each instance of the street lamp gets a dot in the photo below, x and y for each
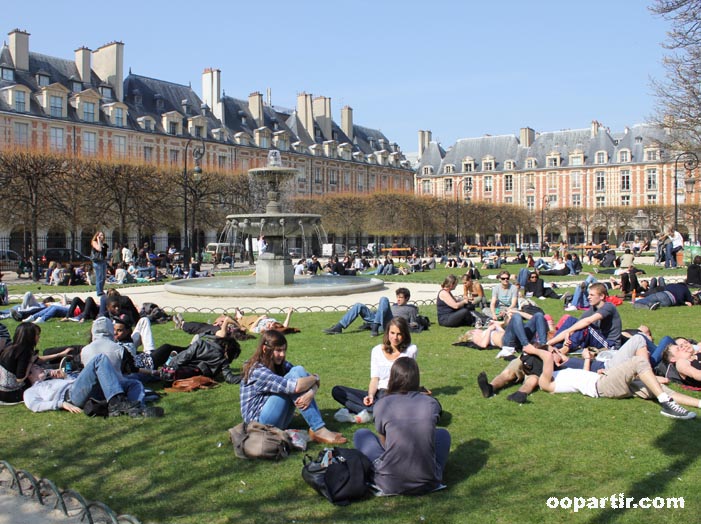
(691, 162)
(197, 154)
(546, 201)
(467, 188)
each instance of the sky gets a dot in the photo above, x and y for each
(462, 68)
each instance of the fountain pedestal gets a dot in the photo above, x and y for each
(274, 270)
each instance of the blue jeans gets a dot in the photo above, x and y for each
(278, 410)
(671, 255)
(146, 272)
(656, 351)
(382, 316)
(580, 296)
(518, 334)
(369, 444)
(98, 379)
(100, 270)
(570, 266)
(662, 297)
(50, 312)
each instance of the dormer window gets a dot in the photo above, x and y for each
(7, 74)
(118, 117)
(510, 165)
(652, 155)
(600, 157)
(624, 156)
(89, 111)
(20, 101)
(576, 159)
(427, 170)
(56, 106)
(160, 103)
(106, 92)
(488, 165)
(449, 168)
(553, 160)
(173, 128)
(531, 163)
(468, 165)
(43, 80)
(76, 87)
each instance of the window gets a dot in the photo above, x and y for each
(487, 184)
(106, 92)
(199, 129)
(173, 156)
(466, 187)
(173, 128)
(510, 165)
(7, 74)
(509, 200)
(601, 201)
(449, 168)
(600, 180)
(488, 165)
(89, 143)
(652, 200)
(530, 203)
(651, 155)
(576, 179)
(552, 200)
(56, 106)
(601, 157)
(530, 181)
(119, 145)
(119, 117)
(577, 200)
(43, 80)
(20, 101)
(576, 160)
(76, 87)
(317, 175)
(56, 139)
(333, 176)
(89, 111)
(552, 181)
(148, 153)
(625, 200)
(625, 180)
(553, 161)
(530, 163)
(426, 187)
(21, 133)
(508, 182)
(624, 156)
(468, 165)
(448, 185)
(427, 170)
(651, 179)
(221, 161)
(346, 178)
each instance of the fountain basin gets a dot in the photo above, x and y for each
(303, 286)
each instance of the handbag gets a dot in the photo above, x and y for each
(256, 440)
(340, 475)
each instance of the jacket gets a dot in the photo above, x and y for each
(207, 355)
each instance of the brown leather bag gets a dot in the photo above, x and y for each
(192, 383)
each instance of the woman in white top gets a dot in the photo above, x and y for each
(359, 403)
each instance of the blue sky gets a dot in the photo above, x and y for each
(459, 68)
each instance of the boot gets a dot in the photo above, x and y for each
(336, 329)
(121, 405)
(374, 329)
(366, 326)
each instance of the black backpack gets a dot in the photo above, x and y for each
(339, 474)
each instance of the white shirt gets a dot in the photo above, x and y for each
(576, 381)
(677, 240)
(126, 255)
(380, 365)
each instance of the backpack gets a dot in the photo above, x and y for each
(256, 440)
(340, 474)
(154, 313)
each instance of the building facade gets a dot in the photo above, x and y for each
(85, 106)
(582, 169)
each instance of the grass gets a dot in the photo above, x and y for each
(506, 459)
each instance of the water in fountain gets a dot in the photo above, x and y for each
(274, 271)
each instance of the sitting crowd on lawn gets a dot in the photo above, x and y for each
(591, 354)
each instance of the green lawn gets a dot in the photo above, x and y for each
(506, 459)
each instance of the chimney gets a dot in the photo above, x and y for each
(211, 92)
(82, 62)
(428, 136)
(421, 142)
(322, 115)
(304, 113)
(347, 122)
(185, 104)
(108, 64)
(527, 136)
(595, 128)
(19, 49)
(255, 107)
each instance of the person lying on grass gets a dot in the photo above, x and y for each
(686, 359)
(632, 378)
(272, 389)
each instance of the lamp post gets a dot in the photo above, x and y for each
(467, 188)
(542, 222)
(197, 154)
(691, 162)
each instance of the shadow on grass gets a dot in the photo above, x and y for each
(678, 443)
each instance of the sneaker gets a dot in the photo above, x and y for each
(484, 385)
(673, 410)
(39, 320)
(571, 307)
(519, 397)
(343, 415)
(506, 351)
(178, 320)
(336, 329)
(16, 315)
(363, 417)
(654, 306)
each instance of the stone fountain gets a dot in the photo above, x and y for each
(274, 272)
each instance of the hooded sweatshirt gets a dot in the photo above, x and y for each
(103, 343)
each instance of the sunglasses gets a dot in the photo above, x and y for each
(503, 278)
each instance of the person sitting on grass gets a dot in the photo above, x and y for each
(272, 388)
(536, 287)
(54, 390)
(451, 311)
(504, 297)
(375, 321)
(358, 404)
(409, 453)
(632, 378)
(600, 326)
